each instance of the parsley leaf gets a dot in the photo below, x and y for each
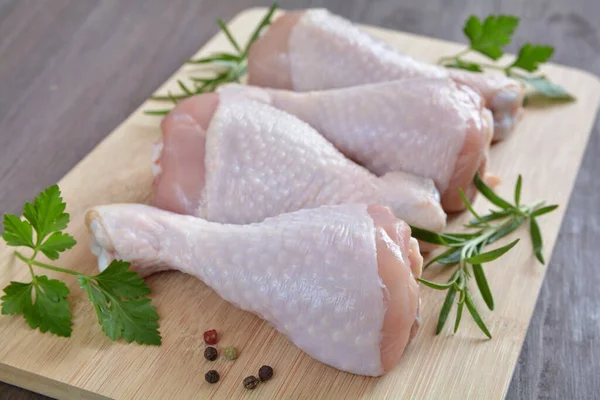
(546, 89)
(47, 213)
(531, 56)
(17, 232)
(122, 281)
(17, 297)
(49, 311)
(490, 37)
(57, 243)
(118, 295)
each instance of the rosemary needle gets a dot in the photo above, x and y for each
(465, 251)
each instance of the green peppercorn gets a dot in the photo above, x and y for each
(251, 382)
(230, 353)
(210, 353)
(212, 376)
(265, 373)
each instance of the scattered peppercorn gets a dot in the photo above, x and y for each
(251, 382)
(230, 353)
(210, 353)
(210, 337)
(212, 376)
(265, 373)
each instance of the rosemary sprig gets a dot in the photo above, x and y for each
(465, 251)
(228, 67)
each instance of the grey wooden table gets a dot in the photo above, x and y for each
(72, 70)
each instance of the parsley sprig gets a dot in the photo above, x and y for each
(465, 251)
(118, 294)
(229, 67)
(489, 37)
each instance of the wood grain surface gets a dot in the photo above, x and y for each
(70, 72)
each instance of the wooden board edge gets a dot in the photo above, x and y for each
(43, 385)
(595, 80)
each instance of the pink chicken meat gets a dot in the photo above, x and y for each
(230, 159)
(432, 128)
(316, 50)
(338, 281)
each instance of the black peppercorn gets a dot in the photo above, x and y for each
(210, 353)
(212, 376)
(251, 382)
(265, 373)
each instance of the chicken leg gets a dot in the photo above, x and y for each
(432, 128)
(315, 50)
(236, 160)
(338, 281)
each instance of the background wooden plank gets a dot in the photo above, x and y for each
(70, 71)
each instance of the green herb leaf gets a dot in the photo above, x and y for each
(122, 281)
(47, 213)
(547, 89)
(466, 65)
(185, 89)
(518, 190)
(544, 210)
(57, 243)
(117, 296)
(445, 311)
(156, 112)
(531, 56)
(427, 236)
(489, 194)
(170, 97)
(17, 232)
(434, 285)
(266, 21)
(467, 204)
(490, 37)
(50, 309)
(450, 256)
(505, 230)
(483, 285)
(476, 317)
(230, 37)
(175, 100)
(536, 240)
(459, 310)
(491, 255)
(492, 216)
(17, 297)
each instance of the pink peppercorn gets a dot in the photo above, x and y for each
(210, 337)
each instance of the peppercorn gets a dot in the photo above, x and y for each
(210, 337)
(265, 373)
(230, 353)
(251, 382)
(210, 353)
(212, 376)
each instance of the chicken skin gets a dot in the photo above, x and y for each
(338, 281)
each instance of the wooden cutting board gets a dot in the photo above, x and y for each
(546, 149)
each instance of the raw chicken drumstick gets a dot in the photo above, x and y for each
(234, 160)
(338, 281)
(432, 128)
(316, 50)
